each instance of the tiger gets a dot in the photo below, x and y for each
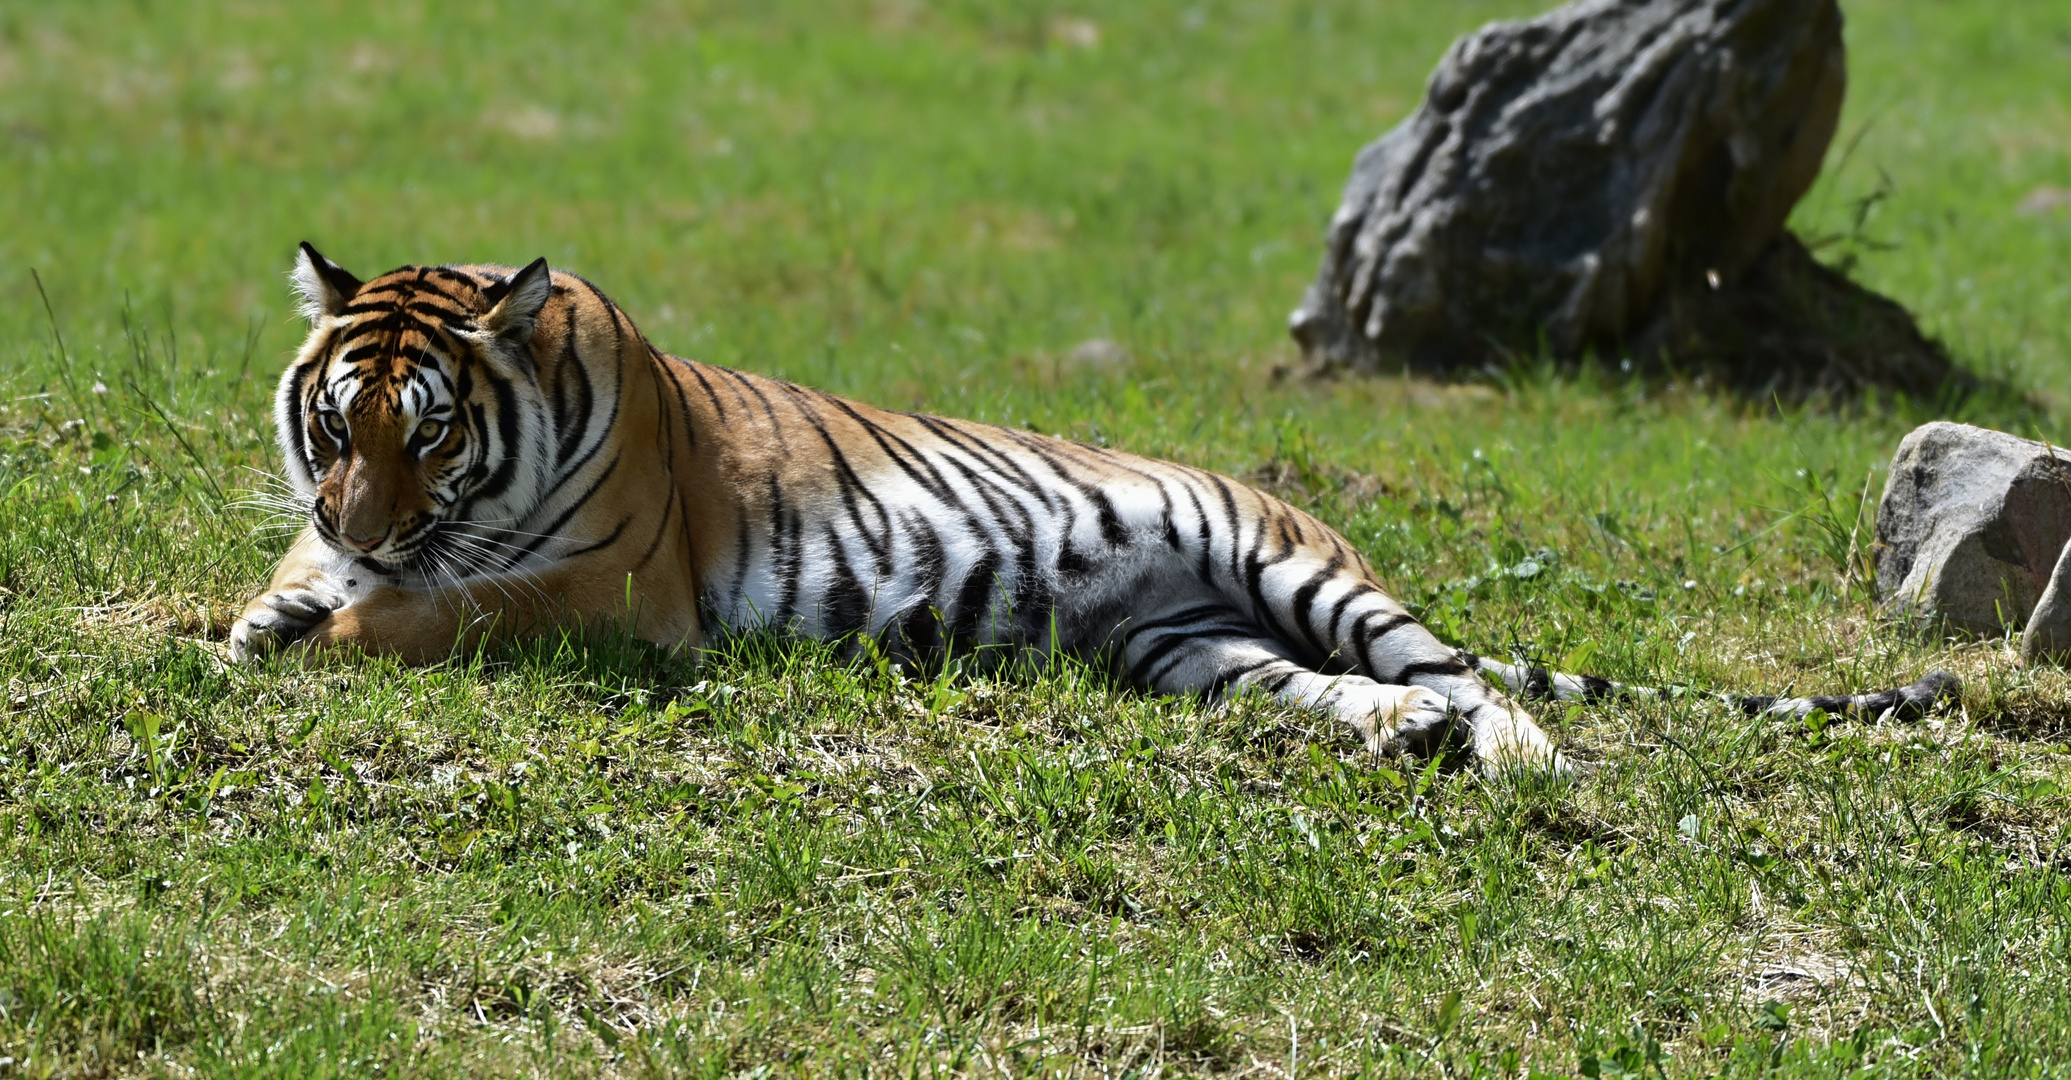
(485, 453)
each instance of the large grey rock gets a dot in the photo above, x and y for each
(1971, 527)
(1567, 177)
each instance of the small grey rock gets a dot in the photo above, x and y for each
(2044, 200)
(1098, 352)
(1971, 527)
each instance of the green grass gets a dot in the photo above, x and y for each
(576, 858)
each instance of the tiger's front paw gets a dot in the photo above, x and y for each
(277, 620)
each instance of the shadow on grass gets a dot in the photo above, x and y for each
(614, 669)
(1792, 333)
(1996, 400)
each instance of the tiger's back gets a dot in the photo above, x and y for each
(933, 532)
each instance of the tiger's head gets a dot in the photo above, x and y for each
(412, 409)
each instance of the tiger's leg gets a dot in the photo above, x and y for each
(1340, 612)
(311, 581)
(318, 599)
(316, 602)
(1211, 650)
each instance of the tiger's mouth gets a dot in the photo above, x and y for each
(396, 556)
(410, 552)
(436, 552)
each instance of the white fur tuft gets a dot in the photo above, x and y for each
(323, 286)
(513, 316)
(316, 297)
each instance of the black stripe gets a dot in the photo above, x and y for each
(1045, 451)
(787, 537)
(929, 558)
(999, 500)
(854, 492)
(1231, 522)
(933, 482)
(973, 598)
(1204, 558)
(1111, 529)
(661, 366)
(1140, 668)
(507, 422)
(1221, 683)
(1364, 638)
(776, 427)
(743, 544)
(552, 531)
(919, 630)
(1448, 666)
(570, 375)
(303, 385)
(1011, 522)
(717, 405)
(661, 530)
(566, 471)
(739, 380)
(1538, 683)
(845, 607)
(1254, 582)
(600, 545)
(1182, 618)
(1305, 597)
(1203, 637)
(983, 452)
(1337, 610)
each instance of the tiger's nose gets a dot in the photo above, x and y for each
(363, 545)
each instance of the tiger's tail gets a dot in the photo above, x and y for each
(1910, 702)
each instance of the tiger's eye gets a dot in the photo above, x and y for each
(430, 430)
(333, 423)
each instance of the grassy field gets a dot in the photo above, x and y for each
(575, 858)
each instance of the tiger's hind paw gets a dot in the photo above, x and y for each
(277, 620)
(1393, 718)
(1519, 746)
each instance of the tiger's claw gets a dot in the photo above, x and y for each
(276, 620)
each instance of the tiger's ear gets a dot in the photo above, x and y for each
(518, 299)
(324, 286)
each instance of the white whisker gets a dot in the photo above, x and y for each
(464, 551)
(516, 575)
(491, 523)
